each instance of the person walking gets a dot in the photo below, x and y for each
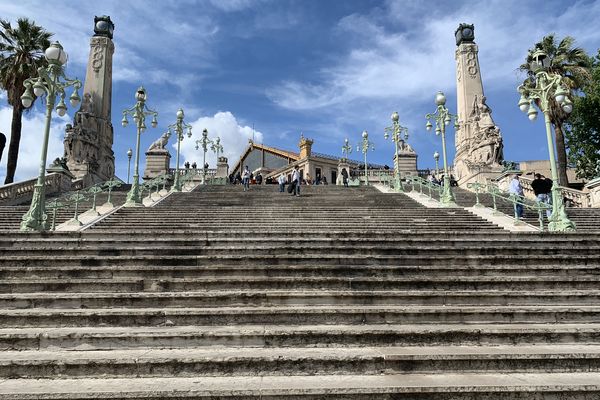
(516, 190)
(246, 178)
(281, 181)
(345, 177)
(541, 189)
(296, 181)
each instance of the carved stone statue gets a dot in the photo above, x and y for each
(161, 142)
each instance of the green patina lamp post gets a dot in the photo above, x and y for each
(364, 147)
(442, 118)
(436, 157)
(541, 91)
(397, 131)
(47, 84)
(217, 147)
(346, 149)
(178, 128)
(139, 112)
(204, 142)
(129, 154)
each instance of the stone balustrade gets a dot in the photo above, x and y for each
(21, 192)
(576, 198)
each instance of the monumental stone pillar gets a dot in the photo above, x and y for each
(478, 140)
(222, 168)
(88, 142)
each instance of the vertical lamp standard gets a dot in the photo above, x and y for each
(541, 90)
(129, 154)
(178, 127)
(436, 157)
(217, 147)
(47, 84)
(442, 118)
(346, 149)
(204, 142)
(139, 112)
(365, 148)
(397, 131)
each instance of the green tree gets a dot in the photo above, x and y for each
(21, 54)
(573, 64)
(583, 128)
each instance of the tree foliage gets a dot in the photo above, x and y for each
(21, 54)
(573, 64)
(583, 129)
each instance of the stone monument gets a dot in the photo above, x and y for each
(478, 139)
(222, 168)
(158, 157)
(88, 141)
(407, 159)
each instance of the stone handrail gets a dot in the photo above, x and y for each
(210, 172)
(18, 192)
(577, 198)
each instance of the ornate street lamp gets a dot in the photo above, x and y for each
(204, 142)
(217, 147)
(397, 131)
(436, 157)
(442, 118)
(366, 144)
(139, 112)
(541, 90)
(178, 128)
(346, 149)
(47, 84)
(129, 154)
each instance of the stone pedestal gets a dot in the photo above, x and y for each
(157, 163)
(407, 161)
(222, 168)
(594, 188)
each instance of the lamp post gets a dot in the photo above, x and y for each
(545, 87)
(129, 154)
(443, 117)
(139, 112)
(48, 83)
(204, 142)
(346, 149)
(365, 148)
(436, 157)
(397, 131)
(217, 147)
(178, 128)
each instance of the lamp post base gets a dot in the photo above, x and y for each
(558, 220)
(34, 220)
(447, 198)
(133, 197)
(176, 183)
(398, 185)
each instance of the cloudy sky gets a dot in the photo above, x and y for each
(329, 69)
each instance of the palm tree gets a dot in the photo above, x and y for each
(573, 64)
(21, 54)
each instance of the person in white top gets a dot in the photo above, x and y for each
(296, 181)
(246, 178)
(281, 181)
(516, 189)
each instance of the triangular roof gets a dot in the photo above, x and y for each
(273, 150)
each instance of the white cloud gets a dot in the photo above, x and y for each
(234, 138)
(30, 148)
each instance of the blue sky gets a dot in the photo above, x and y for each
(327, 68)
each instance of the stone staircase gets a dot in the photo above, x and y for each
(337, 294)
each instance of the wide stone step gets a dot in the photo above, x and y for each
(454, 386)
(455, 282)
(262, 298)
(249, 361)
(288, 248)
(152, 272)
(268, 335)
(299, 259)
(294, 315)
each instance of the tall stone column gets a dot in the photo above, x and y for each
(478, 140)
(88, 142)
